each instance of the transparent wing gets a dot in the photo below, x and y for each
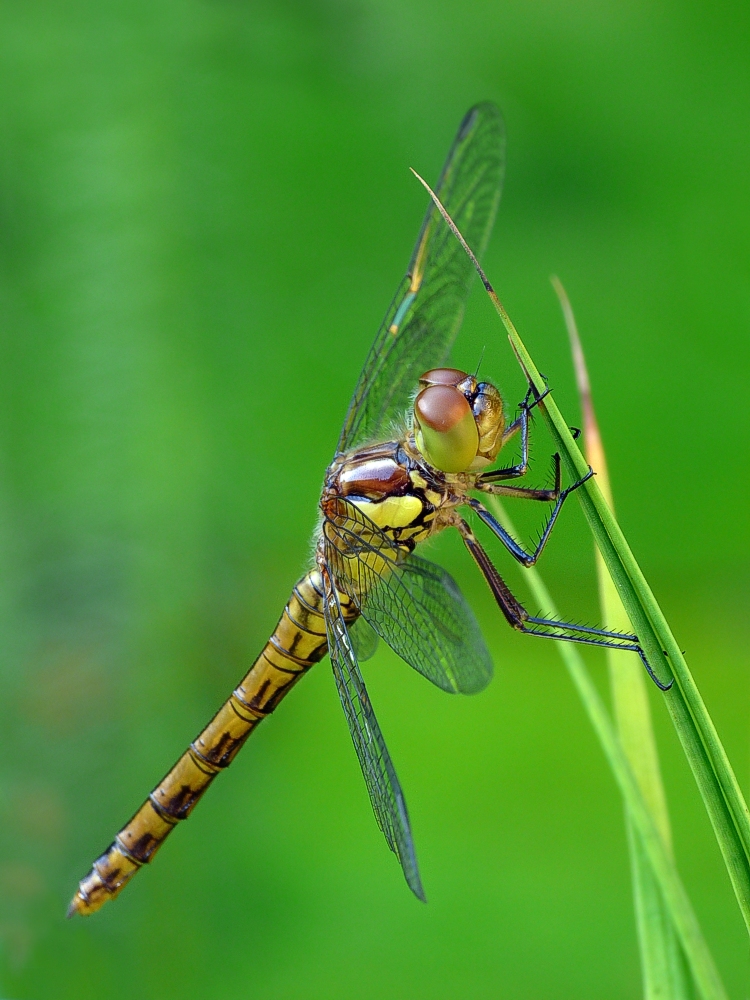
(364, 639)
(412, 604)
(425, 315)
(382, 783)
(423, 616)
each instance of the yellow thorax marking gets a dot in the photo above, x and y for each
(393, 512)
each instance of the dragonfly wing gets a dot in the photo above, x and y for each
(364, 639)
(382, 783)
(425, 315)
(412, 604)
(423, 616)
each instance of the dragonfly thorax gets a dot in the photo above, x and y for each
(458, 422)
(389, 483)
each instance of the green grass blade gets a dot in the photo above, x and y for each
(663, 971)
(713, 774)
(698, 958)
(700, 742)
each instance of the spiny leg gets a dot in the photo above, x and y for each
(559, 496)
(525, 492)
(521, 423)
(546, 628)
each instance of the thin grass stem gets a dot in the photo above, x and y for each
(661, 963)
(698, 957)
(705, 753)
(706, 756)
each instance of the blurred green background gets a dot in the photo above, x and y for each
(205, 210)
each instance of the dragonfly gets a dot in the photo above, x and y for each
(418, 448)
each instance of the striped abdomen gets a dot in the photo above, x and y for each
(298, 641)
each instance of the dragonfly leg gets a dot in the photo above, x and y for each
(521, 423)
(527, 493)
(547, 628)
(559, 496)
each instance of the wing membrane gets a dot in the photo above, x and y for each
(422, 615)
(412, 604)
(380, 777)
(364, 639)
(425, 315)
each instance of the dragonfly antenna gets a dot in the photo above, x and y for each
(481, 359)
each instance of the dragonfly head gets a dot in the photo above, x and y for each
(458, 422)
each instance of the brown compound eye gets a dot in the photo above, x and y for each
(442, 376)
(446, 433)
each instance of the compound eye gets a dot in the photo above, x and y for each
(446, 433)
(442, 376)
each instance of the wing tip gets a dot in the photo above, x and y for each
(414, 881)
(480, 682)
